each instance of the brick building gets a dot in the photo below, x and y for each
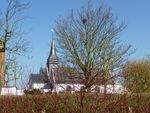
(2, 63)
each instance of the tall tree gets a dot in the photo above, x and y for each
(89, 40)
(137, 76)
(11, 34)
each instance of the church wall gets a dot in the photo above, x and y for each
(38, 85)
(62, 87)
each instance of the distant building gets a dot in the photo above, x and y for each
(60, 79)
(43, 80)
(12, 91)
(54, 77)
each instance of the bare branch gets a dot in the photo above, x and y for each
(89, 40)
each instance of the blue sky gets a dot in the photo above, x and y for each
(42, 14)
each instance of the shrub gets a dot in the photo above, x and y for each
(70, 103)
(32, 92)
(137, 75)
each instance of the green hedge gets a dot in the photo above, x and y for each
(71, 103)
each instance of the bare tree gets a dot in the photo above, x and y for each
(22, 76)
(11, 34)
(89, 40)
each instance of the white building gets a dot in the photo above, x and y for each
(12, 91)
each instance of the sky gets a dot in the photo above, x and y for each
(41, 16)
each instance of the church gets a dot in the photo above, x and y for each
(55, 78)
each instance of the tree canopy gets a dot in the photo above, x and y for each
(88, 39)
(137, 76)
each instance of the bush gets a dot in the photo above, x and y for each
(137, 75)
(32, 92)
(70, 103)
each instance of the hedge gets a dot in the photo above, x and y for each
(71, 103)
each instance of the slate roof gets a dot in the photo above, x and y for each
(75, 76)
(63, 75)
(52, 59)
(67, 76)
(38, 78)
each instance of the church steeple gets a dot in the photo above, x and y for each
(52, 61)
(53, 50)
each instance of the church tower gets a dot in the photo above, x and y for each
(52, 61)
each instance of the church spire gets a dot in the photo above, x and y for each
(52, 61)
(53, 49)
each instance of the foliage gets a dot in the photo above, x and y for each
(89, 41)
(32, 92)
(137, 75)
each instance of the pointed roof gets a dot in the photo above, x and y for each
(52, 59)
